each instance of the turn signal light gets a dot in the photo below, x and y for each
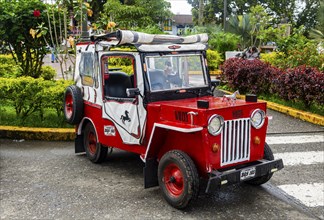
(256, 140)
(215, 148)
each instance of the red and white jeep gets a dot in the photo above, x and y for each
(156, 99)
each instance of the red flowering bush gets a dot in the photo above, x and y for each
(301, 83)
(304, 84)
(249, 76)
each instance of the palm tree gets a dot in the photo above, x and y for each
(316, 34)
(241, 25)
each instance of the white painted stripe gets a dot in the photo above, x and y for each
(311, 195)
(301, 158)
(295, 139)
(185, 130)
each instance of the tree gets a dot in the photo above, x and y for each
(211, 11)
(320, 17)
(23, 26)
(307, 17)
(281, 10)
(260, 21)
(97, 7)
(137, 13)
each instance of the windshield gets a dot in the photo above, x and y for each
(171, 72)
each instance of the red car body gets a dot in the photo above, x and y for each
(173, 122)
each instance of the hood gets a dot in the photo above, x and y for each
(181, 110)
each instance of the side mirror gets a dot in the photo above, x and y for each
(214, 84)
(132, 92)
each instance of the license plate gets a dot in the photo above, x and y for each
(247, 173)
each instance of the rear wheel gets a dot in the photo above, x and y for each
(178, 179)
(94, 150)
(268, 155)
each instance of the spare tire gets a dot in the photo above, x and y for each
(73, 105)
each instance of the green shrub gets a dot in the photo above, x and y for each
(296, 41)
(150, 29)
(6, 58)
(48, 72)
(276, 59)
(53, 94)
(223, 41)
(8, 67)
(214, 59)
(296, 50)
(29, 95)
(24, 92)
(307, 55)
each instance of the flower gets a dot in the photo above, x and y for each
(36, 13)
(35, 33)
(89, 12)
(111, 24)
(32, 32)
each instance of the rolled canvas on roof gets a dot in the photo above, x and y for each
(132, 37)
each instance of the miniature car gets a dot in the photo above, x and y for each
(152, 95)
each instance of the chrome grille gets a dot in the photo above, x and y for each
(235, 141)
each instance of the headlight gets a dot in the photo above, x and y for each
(257, 118)
(215, 124)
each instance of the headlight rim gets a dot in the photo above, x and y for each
(263, 118)
(221, 119)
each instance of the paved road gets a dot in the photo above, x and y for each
(301, 146)
(45, 180)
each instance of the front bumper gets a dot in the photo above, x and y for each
(263, 167)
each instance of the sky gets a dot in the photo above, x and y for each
(180, 7)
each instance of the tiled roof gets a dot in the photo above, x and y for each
(182, 19)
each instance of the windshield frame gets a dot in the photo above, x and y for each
(175, 70)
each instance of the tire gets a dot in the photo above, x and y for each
(73, 105)
(268, 155)
(178, 179)
(95, 152)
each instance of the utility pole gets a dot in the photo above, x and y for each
(201, 12)
(225, 14)
(84, 26)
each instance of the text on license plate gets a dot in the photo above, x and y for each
(247, 173)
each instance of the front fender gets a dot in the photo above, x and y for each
(159, 132)
(158, 139)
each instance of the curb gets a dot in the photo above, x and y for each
(305, 116)
(68, 134)
(46, 134)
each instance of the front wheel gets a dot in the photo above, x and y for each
(268, 155)
(178, 179)
(94, 150)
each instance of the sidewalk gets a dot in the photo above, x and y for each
(57, 67)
